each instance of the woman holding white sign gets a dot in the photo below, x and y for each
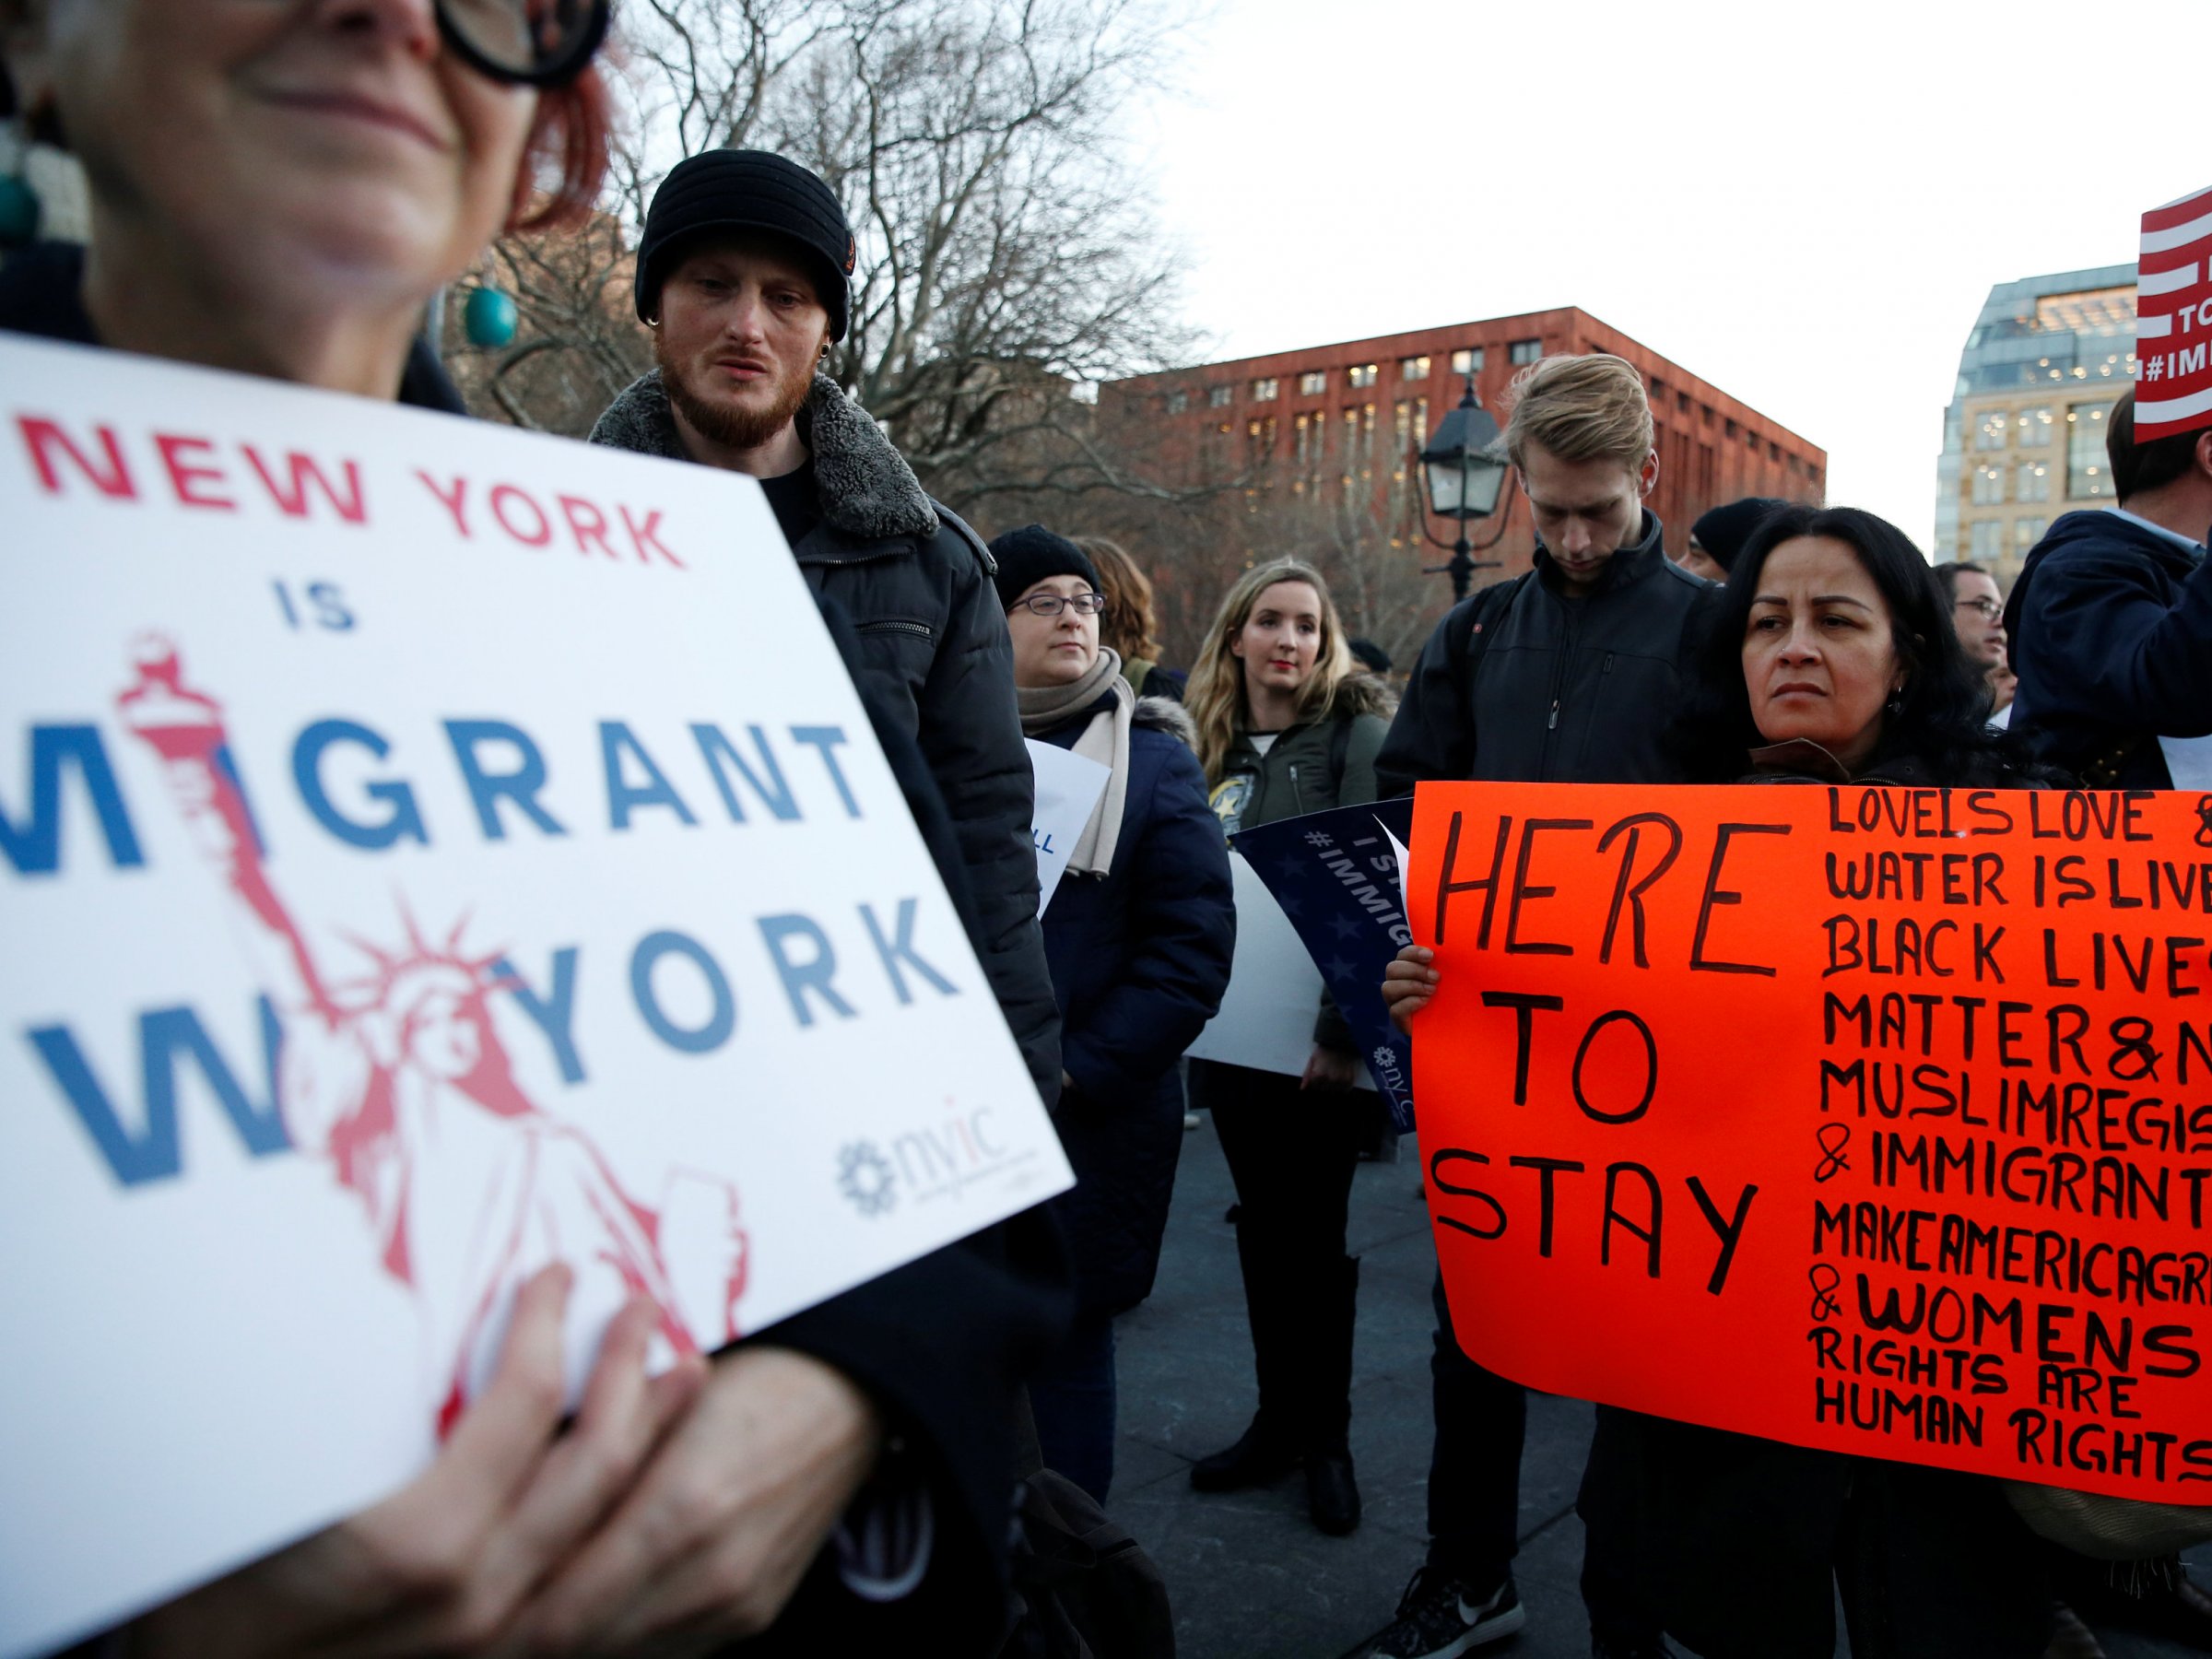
(1138, 934)
(280, 188)
(1288, 724)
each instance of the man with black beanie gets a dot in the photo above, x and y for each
(1720, 534)
(742, 276)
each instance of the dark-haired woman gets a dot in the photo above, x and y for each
(1831, 659)
(279, 187)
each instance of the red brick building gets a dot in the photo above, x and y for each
(1333, 422)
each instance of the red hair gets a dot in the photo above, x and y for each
(567, 150)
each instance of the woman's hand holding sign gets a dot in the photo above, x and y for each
(1407, 984)
(443, 1565)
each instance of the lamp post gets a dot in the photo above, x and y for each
(1466, 477)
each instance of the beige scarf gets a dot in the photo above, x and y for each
(1105, 740)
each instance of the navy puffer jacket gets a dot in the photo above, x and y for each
(1139, 959)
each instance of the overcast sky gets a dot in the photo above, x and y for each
(1804, 206)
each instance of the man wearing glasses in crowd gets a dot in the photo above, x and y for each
(1978, 615)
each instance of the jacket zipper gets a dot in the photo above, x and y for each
(1297, 793)
(895, 625)
(1559, 687)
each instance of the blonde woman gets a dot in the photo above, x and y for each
(1288, 724)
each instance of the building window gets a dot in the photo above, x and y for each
(2035, 426)
(2027, 532)
(1178, 401)
(1987, 536)
(1467, 359)
(1990, 435)
(1351, 441)
(1413, 368)
(1313, 380)
(2087, 474)
(2031, 482)
(1263, 391)
(1360, 376)
(1524, 351)
(1681, 403)
(1218, 396)
(1732, 429)
(1367, 440)
(1402, 436)
(1308, 434)
(1989, 486)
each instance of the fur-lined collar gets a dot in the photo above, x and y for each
(867, 490)
(1363, 694)
(1165, 714)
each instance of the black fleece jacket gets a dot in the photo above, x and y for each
(1522, 683)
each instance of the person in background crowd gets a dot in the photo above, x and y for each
(1139, 934)
(1287, 724)
(2004, 684)
(1831, 659)
(1129, 628)
(1978, 615)
(1720, 534)
(1566, 674)
(741, 275)
(1371, 656)
(2111, 622)
(279, 189)
(2111, 628)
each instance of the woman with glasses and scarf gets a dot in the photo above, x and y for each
(279, 188)
(1139, 934)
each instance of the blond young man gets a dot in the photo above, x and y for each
(1566, 674)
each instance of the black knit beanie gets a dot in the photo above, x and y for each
(747, 189)
(1723, 531)
(1027, 555)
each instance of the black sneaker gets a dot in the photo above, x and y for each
(1441, 1616)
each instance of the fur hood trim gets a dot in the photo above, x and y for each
(1165, 714)
(1364, 694)
(867, 490)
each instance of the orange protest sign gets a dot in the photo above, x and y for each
(1876, 1120)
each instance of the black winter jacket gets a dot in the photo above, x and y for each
(916, 583)
(942, 1344)
(2111, 627)
(1521, 684)
(1140, 959)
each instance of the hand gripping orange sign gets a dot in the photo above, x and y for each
(1874, 1120)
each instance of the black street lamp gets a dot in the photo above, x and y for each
(1466, 477)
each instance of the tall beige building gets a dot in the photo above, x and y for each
(2023, 439)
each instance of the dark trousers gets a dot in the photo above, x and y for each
(1292, 1152)
(1072, 1396)
(1474, 1469)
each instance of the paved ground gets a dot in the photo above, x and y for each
(1250, 1577)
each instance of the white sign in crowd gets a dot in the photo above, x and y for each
(427, 851)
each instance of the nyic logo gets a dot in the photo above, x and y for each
(1386, 1064)
(864, 1176)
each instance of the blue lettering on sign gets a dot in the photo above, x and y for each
(402, 821)
(812, 974)
(164, 1034)
(486, 789)
(623, 798)
(554, 1014)
(35, 848)
(901, 945)
(699, 1039)
(826, 739)
(775, 795)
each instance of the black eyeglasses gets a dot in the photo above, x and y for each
(1990, 609)
(525, 43)
(1052, 604)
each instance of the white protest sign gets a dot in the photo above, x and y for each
(2188, 761)
(1068, 787)
(1266, 1016)
(427, 851)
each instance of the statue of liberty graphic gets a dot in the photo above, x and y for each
(399, 1079)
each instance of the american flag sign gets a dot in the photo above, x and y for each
(2173, 319)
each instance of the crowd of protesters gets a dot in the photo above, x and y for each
(281, 189)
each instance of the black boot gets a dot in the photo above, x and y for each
(1262, 1454)
(1331, 1495)
(1273, 1445)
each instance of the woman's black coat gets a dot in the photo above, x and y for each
(1139, 959)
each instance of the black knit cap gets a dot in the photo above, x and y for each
(1723, 531)
(1027, 555)
(747, 189)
